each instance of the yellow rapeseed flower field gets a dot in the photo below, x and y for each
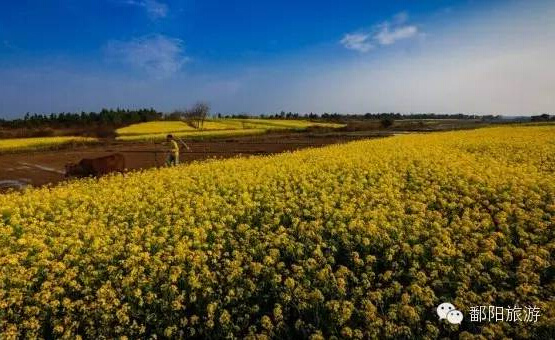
(194, 134)
(214, 128)
(361, 240)
(154, 127)
(284, 123)
(17, 144)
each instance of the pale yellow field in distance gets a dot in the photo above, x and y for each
(214, 127)
(159, 129)
(285, 123)
(154, 127)
(17, 144)
(195, 133)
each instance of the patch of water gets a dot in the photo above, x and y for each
(13, 183)
(42, 167)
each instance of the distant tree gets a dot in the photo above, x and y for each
(541, 118)
(198, 114)
(176, 115)
(387, 122)
(194, 116)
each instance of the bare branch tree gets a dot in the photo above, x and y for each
(198, 114)
(203, 110)
(194, 116)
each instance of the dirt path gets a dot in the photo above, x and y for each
(47, 167)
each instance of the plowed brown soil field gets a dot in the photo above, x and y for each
(18, 170)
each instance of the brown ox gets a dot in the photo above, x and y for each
(96, 166)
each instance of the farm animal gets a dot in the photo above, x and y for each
(96, 166)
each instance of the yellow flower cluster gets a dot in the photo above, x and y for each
(17, 144)
(361, 240)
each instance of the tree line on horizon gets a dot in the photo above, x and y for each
(357, 116)
(108, 117)
(120, 117)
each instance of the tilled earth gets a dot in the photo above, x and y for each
(18, 170)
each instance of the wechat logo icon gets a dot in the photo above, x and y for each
(448, 311)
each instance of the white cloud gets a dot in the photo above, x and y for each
(386, 33)
(154, 9)
(157, 55)
(357, 41)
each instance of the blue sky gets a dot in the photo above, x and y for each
(267, 56)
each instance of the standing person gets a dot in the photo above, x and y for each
(173, 154)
